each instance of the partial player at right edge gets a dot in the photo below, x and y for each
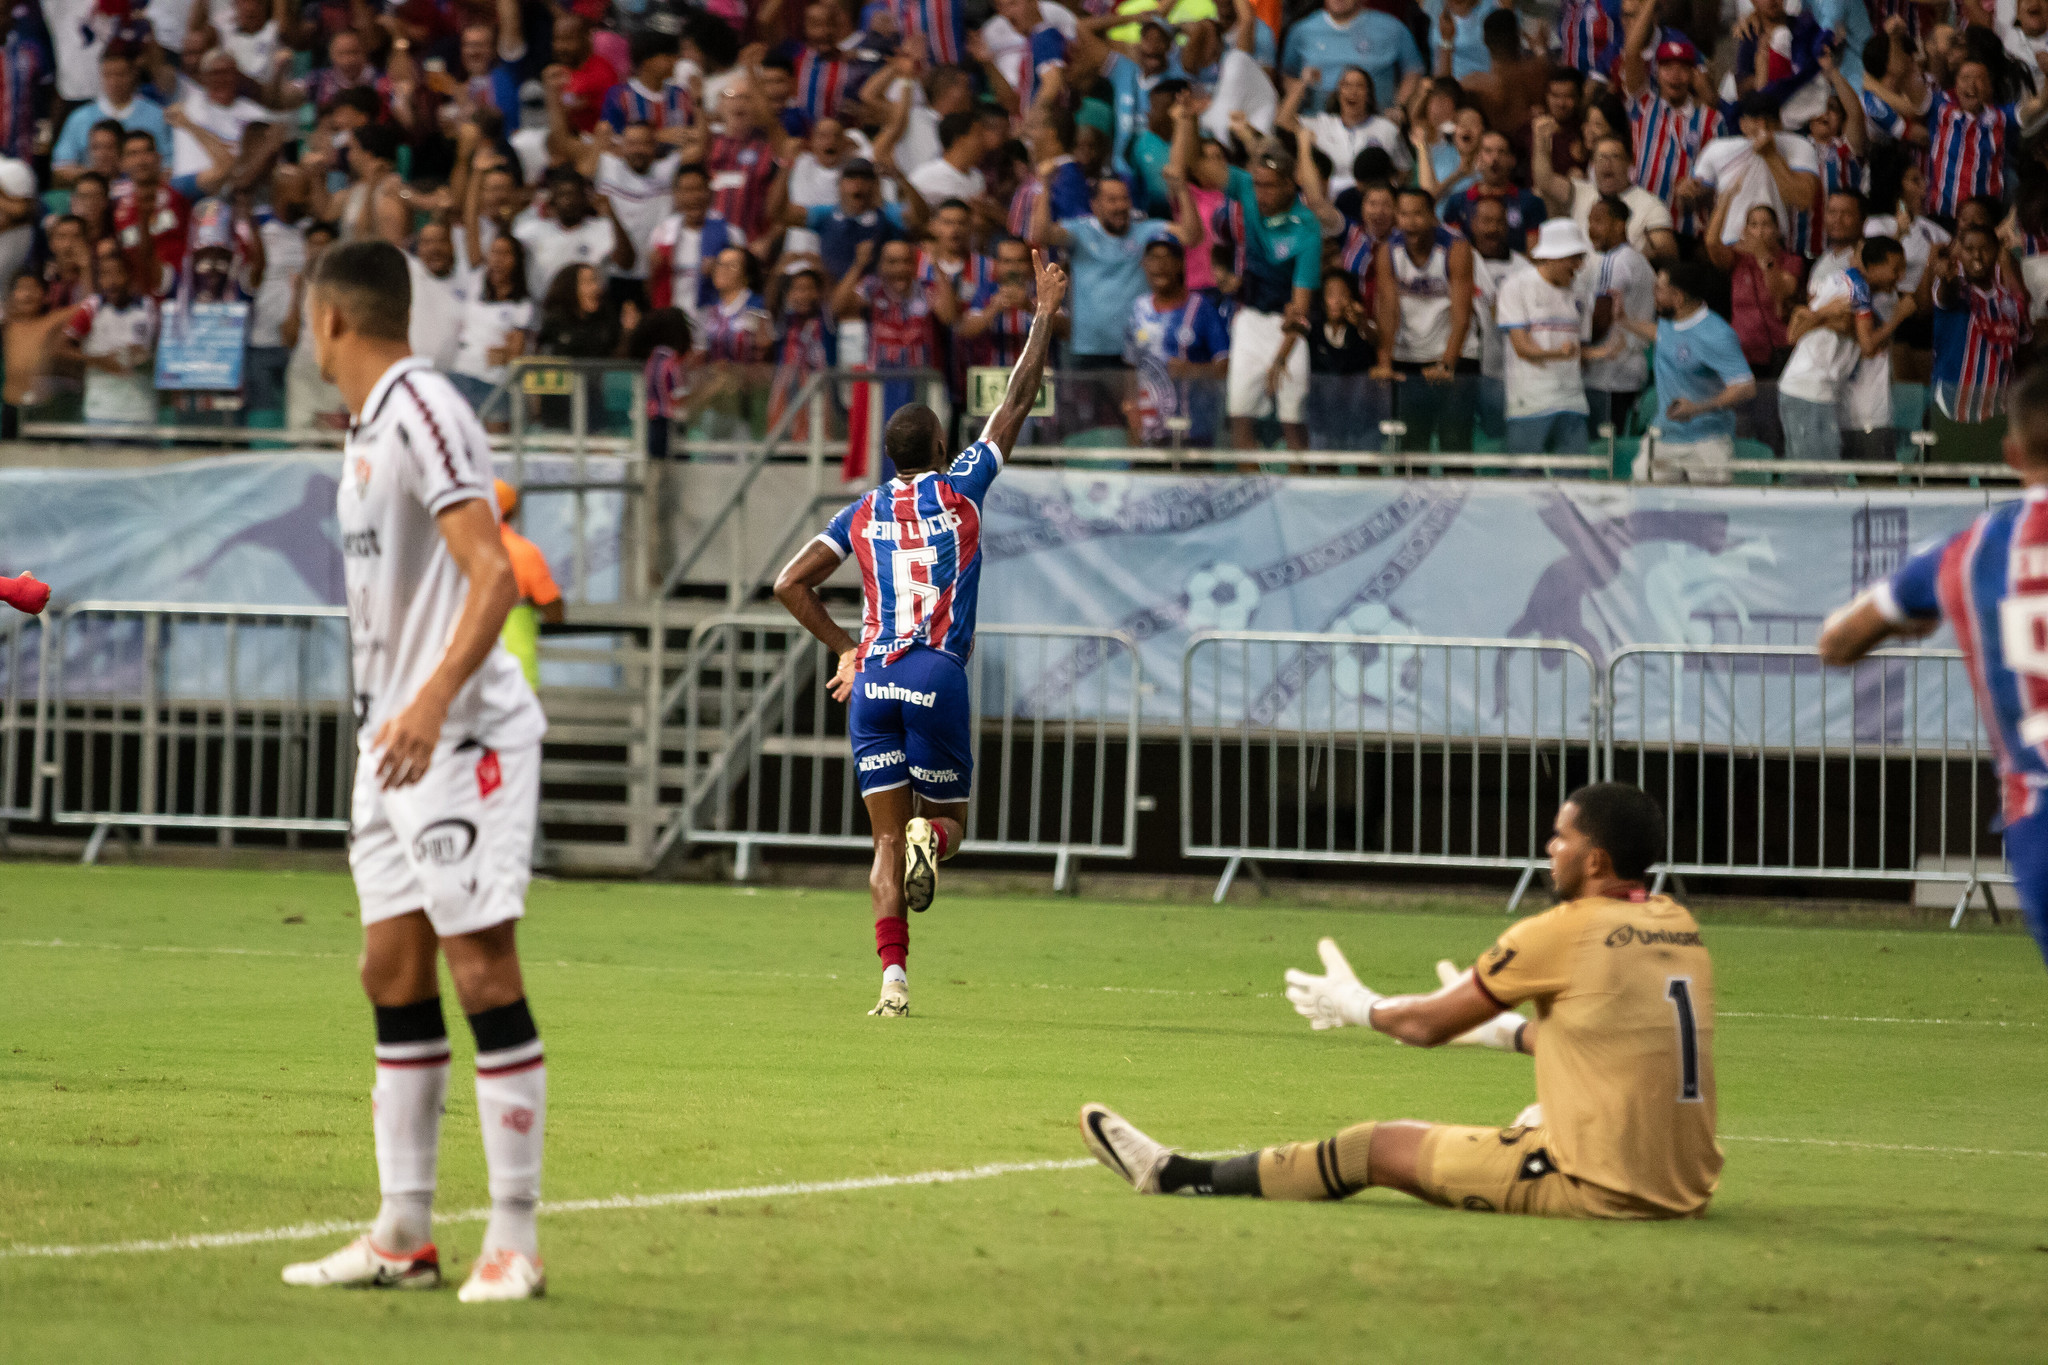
(917, 539)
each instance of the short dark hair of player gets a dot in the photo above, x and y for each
(955, 126)
(108, 125)
(564, 175)
(858, 169)
(368, 281)
(914, 440)
(696, 168)
(1417, 192)
(1616, 206)
(133, 134)
(2028, 406)
(1624, 823)
(1847, 193)
(1694, 279)
(1878, 250)
(1567, 75)
(944, 204)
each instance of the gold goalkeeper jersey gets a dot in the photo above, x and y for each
(1624, 991)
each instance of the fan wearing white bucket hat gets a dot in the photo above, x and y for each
(1545, 318)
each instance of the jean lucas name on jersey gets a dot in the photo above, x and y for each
(891, 692)
(923, 529)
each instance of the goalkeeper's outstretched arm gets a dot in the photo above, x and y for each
(1458, 1013)
(1008, 419)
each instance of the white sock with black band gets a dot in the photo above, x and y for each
(407, 1100)
(511, 1105)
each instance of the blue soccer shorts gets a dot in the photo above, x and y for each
(910, 724)
(2026, 850)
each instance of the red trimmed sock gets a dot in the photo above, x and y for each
(892, 940)
(939, 837)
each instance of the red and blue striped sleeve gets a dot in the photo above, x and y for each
(1912, 592)
(974, 470)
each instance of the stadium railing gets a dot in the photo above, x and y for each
(1770, 765)
(1380, 749)
(24, 663)
(749, 753)
(198, 716)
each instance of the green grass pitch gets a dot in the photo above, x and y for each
(195, 1059)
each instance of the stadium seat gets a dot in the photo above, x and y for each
(1748, 449)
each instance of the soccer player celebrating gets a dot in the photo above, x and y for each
(1623, 1040)
(447, 782)
(917, 540)
(1990, 583)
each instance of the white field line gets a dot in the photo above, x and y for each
(208, 1241)
(999, 985)
(1882, 1146)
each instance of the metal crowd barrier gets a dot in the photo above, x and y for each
(1380, 749)
(165, 715)
(752, 753)
(24, 663)
(1769, 764)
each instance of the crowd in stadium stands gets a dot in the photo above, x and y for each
(1809, 229)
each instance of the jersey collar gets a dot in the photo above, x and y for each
(381, 390)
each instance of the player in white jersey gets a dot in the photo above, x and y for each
(447, 783)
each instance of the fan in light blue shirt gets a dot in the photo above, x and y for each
(1468, 53)
(1699, 358)
(1379, 45)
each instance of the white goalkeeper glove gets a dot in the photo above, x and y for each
(1499, 1032)
(1333, 1000)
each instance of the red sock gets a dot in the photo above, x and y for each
(892, 940)
(939, 836)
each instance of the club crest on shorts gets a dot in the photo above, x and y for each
(488, 776)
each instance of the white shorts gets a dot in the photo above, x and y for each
(1707, 461)
(1255, 340)
(457, 844)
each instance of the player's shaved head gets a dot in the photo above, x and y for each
(2026, 440)
(369, 285)
(914, 439)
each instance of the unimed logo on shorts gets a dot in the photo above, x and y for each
(444, 842)
(875, 761)
(891, 692)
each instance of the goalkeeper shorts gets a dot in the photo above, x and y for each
(1509, 1170)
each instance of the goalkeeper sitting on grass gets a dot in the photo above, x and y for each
(1623, 1036)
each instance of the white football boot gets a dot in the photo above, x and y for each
(501, 1276)
(360, 1265)
(920, 864)
(1122, 1148)
(895, 1001)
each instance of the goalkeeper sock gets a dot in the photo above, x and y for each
(1238, 1175)
(1335, 1168)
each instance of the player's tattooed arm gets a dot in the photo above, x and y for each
(407, 740)
(796, 587)
(1008, 419)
